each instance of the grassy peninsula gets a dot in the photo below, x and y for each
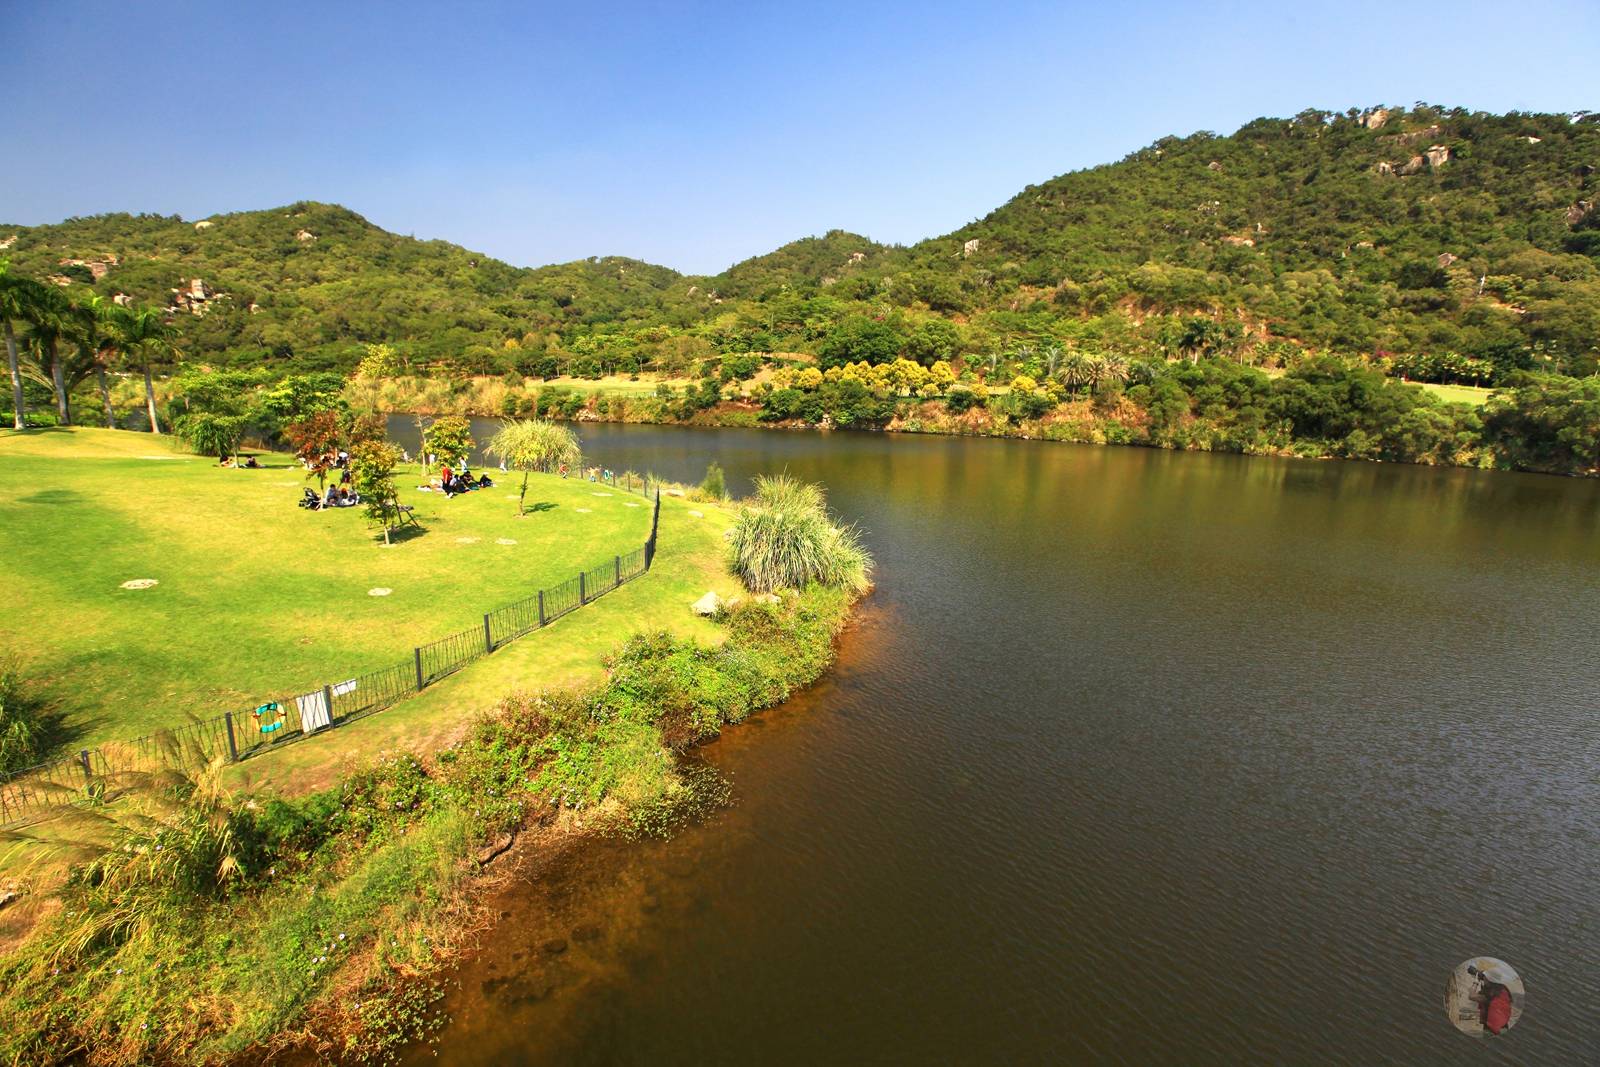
(203, 913)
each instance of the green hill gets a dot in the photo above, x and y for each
(1454, 245)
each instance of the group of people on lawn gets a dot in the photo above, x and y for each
(342, 494)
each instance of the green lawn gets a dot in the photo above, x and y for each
(1459, 394)
(257, 598)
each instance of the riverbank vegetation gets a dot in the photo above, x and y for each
(1428, 244)
(198, 924)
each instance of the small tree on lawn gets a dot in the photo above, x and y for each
(211, 431)
(372, 467)
(532, 445)
(316, 441)
(449, 438)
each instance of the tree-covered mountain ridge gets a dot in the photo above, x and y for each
(1441, 242)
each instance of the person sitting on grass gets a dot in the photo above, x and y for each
(332, 497)
(250, 464)
(484, 482)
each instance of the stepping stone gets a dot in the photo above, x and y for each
(380, 591)
(504, 541)
(140, 583)
(582, 511)
(466, 540)
(602, 494)
(631, 504)
(698, 514)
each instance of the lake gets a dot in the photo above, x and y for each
(1132, 757)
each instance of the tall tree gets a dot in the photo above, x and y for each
(56, 322)
(104, 337)
(18, 296)
(151, 338)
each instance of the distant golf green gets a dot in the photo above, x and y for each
(254, 597)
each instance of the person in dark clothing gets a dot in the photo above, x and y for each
(484, 482)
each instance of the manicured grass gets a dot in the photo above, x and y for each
(611, 384)
(1459, 394)
(257, 598)
(690, 559)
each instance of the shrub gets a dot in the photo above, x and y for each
(786, 539)
(715, 486)
(28, 722)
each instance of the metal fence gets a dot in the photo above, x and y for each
(234, 736)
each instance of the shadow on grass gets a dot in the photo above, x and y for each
(543, 505)
(405, 533)
(51, 496)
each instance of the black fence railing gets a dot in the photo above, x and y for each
(29, 793)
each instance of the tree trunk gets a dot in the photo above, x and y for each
(105, 395)
(58, 379)
(150, 400)
(16, 376)
(523, 496)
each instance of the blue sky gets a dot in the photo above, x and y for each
(695, 135)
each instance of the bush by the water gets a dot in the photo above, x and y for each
(785, 539)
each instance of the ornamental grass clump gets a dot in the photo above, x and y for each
(785, 539)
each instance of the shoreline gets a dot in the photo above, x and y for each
(478, 816)
(1072, 423)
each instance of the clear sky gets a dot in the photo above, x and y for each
(695, 135)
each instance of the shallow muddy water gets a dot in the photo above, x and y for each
(1132, 757)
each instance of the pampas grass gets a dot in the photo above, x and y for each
(785, 539)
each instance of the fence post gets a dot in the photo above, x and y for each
(618, 561)
(488, 642)
(419, 669)
(541, 609)
(327, 704)
(582, 594)
(233, 746)
(83, 760)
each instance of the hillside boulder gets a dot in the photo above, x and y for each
(966, 249)
(1438, 155)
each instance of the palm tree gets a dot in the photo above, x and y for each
(530, 445)
(1114, 369)
(1075, 371)
(17, 298)
(1051, 355)
(53, 319)
(146, 333)
(106, 342)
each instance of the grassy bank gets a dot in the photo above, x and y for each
(344, 899)
(208, 913)
(255, 598)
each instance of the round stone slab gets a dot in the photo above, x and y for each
(139, 583)
(379, 591)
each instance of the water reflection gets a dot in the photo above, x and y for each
(1135, 757)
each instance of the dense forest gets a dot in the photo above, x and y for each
(1425, 244)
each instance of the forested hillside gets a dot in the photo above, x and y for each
(1447, 245)
(1272, 291)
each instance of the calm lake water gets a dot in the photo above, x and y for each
(1133, 757)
